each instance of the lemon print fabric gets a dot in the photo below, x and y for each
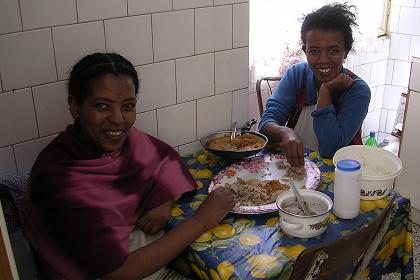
(250, 247)
(249, 239)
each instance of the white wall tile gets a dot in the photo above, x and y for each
(394, 18)
(355, 59)
(131, 37)
(100, 9)
(10, 16)
(51, 119)
(136, 7)
(147, 122)
(392, 95)
(378, 73)
(213, 29)
(187, 4)
(254, 113)
(73, 42)
(27, 152)
(382, 123)
(379, 97)
(401, 73)
(417, 4)
(363, 71)
(409, 19)
(223, 2)
(17, 117)
(7, 162)
(372, 99)
(240, 107)
(380, 52)
(400, 46)
(46, 13)
(177, 124)
(190, 148)
(195, 77)
(173, 34)
(157, 86)
(371, 122)
(389, 71)
(26, 59)
(409, 3)
(241, 25)
(214, 114)
(232, 70)
(414, 47)
(390, 120)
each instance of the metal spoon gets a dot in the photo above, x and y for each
(299, 199)
(233, 134)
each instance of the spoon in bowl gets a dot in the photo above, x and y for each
(299, 199)
(233, 133)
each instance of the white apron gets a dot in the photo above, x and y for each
(305, 130)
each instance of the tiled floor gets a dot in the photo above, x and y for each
(416, 255)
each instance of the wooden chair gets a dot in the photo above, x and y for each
(327, 260)
(258, 89)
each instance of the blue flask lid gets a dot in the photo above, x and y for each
(348, 165)
(372, 134)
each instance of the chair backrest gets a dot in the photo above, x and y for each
(259, 93)
(327, 260)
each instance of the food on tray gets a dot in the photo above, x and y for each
(240, 143)
(294, 173)
(255, 192)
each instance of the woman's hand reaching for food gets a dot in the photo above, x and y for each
(216, 206)
(292, 147)
(288, 140)
(155, 219)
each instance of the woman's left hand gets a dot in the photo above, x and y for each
(155, 219)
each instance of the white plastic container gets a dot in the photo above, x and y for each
(347, 184)
(379, 169)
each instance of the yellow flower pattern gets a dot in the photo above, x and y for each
(254, 247)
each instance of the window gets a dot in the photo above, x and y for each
(275, 31)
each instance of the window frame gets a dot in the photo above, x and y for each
(384, 26)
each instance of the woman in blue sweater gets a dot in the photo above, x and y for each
(319, 104)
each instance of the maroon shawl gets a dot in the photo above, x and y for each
(83, 204)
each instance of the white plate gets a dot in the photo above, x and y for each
(263, 168)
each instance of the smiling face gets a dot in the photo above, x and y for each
(108, 112)
(325, 53)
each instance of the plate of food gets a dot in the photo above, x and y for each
(258, 181)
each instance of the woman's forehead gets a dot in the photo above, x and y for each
(324, 37)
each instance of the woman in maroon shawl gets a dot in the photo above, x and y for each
(100, 185)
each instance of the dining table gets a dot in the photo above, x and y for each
(253, 246)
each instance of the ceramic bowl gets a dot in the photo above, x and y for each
(301, 226)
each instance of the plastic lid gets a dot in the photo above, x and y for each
(386, 140)
(372, 134)
(348, 165)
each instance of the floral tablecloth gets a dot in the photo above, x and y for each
(254, 247)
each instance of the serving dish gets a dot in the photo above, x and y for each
(304, 226)
(235, 154)
(379, 169)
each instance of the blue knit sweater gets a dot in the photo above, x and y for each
(336, 125)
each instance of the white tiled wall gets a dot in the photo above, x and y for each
(191, 56)
(390, 66)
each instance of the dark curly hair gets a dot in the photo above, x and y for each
(336, 17)
(95, 66)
